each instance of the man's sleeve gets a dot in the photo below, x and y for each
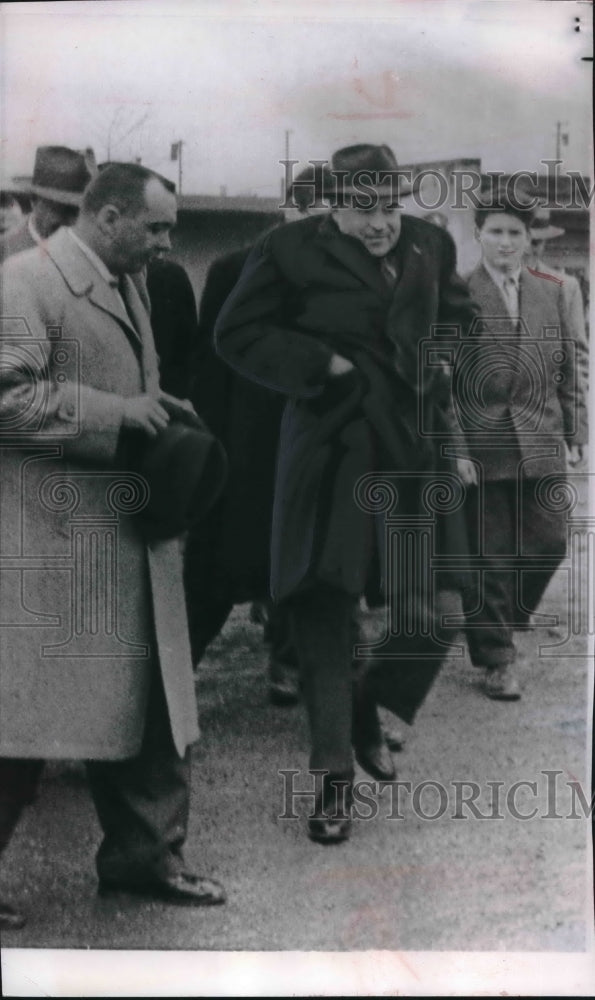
(456, 305)
(572, 389)
(456, 308)
(38, 401)
(573, 315)
(256, 332)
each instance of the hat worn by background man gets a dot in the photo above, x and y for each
(541, 228)
(61, 174)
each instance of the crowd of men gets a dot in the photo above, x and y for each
(159, 465)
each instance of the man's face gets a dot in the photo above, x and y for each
(504, 240)
(11, 216)
(48, 216)
(138, 238)
(378, 227)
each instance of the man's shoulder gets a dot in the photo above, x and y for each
(541, 284)
(16, 241)
(23, 261)
(547, 274)
(477, 273)
(298, 232)
(228, 263)
(167, 274)
(426, 232)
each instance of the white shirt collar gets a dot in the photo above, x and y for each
(33, 232)
(499, 277)
(95, 260)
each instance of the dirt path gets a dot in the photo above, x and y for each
(410, 882)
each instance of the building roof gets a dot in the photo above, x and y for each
(227, 203)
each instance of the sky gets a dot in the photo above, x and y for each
(433, 79)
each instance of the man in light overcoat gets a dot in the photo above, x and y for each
(94, 650)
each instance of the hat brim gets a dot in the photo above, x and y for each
(55, 194)
(546, 233)
(401, 188)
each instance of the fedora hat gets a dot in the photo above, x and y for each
(61, 174)
(541, 228)
(356, 168)
(311, 187)
(185, 468)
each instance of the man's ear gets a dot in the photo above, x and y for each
(107, 218)
(476, 233)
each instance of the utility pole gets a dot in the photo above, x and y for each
(176, 154)
(288, 132)
(561, 138)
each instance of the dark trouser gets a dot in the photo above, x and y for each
(142, 803)
(322, 624)
(510, 523)
(325, 628)
(279, 635)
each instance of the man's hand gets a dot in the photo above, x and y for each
(180, 409)
(467, 471)
(575, 454)
(339, 365)
(145, 413)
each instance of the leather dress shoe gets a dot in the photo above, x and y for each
(183, 889)
(328, 831)
(375, 758)
(369, 744)
(10, 919)
(501, 683)
(331, 822)
(393, 738)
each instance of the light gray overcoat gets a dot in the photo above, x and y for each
(87, 609)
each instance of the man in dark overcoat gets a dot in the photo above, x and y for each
(522, 406)
(94, 652)
(331, 312)
(227, 555)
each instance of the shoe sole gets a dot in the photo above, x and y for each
(106, 891)
(320, 839)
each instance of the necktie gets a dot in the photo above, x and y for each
(389, 272)
(511, 295)
(122, 288)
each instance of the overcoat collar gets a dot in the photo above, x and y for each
(355, 257)
(84, 280)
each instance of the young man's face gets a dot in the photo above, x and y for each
(504, 240)
(378, 227)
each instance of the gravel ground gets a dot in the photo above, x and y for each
(407, 884)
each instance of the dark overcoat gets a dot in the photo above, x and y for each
(88, 609)
(230, 549)
(174, 324)
(307, 292)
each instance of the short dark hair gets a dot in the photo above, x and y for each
(501, 201)
(122, 185)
